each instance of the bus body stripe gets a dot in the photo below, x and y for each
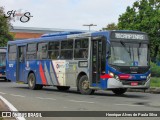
(52, 75)
(105, 76)
(42, 75)
(47, 75)
(55, 73)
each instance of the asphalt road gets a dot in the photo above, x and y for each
(50, 99)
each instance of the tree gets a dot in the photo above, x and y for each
(144, 16)
(4, 29)
(111, 26)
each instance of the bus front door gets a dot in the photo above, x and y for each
(21, 63)
(97, 61)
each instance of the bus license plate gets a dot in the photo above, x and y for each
(134, 83)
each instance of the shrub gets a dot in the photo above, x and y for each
(155, 70)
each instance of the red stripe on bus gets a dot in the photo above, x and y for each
(42, 75)
(105, 76)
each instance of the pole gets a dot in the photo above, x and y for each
(89, 25)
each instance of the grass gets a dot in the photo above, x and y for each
(155, 82)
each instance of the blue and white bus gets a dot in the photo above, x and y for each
(106, 60)
(3, 62)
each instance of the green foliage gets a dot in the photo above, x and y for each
(144, 16)
(155, 70)
(111, 26)
(4, 29)
(155, 82)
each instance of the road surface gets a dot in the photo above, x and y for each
(50, 99)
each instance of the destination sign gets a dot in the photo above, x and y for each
(133, 36)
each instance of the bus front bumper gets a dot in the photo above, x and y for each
(113, 83)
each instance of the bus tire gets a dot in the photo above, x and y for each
(32, 82)
(119, 91)
(63, 88)
(83, 86)
(7, 80)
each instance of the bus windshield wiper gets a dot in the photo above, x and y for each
(138, 50)
(123, 44)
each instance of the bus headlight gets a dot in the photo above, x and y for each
(149, 76)
(111, 74)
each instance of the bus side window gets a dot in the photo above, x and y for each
(66, 49)
(31, 51)
(12, 52)
(53, 50)
(42, 51)
(81, 48)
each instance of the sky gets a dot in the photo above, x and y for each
(68, 14)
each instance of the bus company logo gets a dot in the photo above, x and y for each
(18, 15)
(65, 65)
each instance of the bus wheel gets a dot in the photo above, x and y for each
(84, 86)
(7, 80)
(119, 91)
(32, 82)
(63, 88)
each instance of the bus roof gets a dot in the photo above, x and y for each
(64, 35)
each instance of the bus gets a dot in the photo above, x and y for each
(89, 61)
(3, 62)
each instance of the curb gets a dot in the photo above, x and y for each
(150, 90)
(11, 107)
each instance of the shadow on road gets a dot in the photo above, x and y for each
(97, 93)
(126, 95)
(3, 80)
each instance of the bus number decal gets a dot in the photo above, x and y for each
(10, 65)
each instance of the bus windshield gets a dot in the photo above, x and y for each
(2, 59)
(129, 54)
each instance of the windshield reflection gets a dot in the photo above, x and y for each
(129, 54)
